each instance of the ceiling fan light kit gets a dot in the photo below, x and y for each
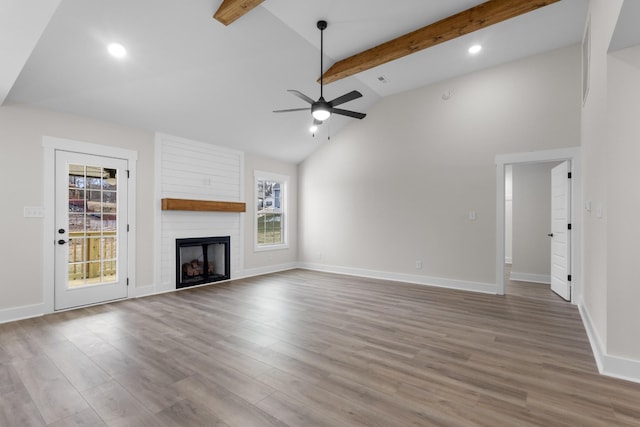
(321, 109)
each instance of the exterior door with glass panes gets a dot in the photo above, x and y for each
(91, 227)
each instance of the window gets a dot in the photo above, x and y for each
(271, 209)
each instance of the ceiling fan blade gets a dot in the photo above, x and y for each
(301, 96)
(348, 113)
(291, 109)
(354, 94)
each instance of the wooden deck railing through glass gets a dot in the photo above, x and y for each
(92, 258)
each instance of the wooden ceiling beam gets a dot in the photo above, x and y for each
(465, 22)
(230, 10)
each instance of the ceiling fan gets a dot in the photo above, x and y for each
(321, 109)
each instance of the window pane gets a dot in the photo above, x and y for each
(270, 228)
(111, 183)
(94, 224)
(76, 250)
(270, 212)
(76, 223)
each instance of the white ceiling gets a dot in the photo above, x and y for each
(188, 75)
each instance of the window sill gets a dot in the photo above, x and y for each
(264, 248)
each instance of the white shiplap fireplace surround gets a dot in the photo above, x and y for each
(195, 170)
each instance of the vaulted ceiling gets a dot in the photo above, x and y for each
(190, 75)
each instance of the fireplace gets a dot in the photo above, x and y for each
(202, 260)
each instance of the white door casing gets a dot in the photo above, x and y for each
(560, 233)
(91, 229)
(51, 145)
(561, 154)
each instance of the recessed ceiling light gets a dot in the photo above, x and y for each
(475, 49)
(117, 50)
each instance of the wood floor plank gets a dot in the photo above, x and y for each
(187, 413)
(152, 391)
(17, 409)
(78, 369)
(229, 378)
(19, 347)
(89, 343)
(116, 406)
(226, 356)
(16, 406)
(227, 406)
(324, 401)
(295, 413)
(52, 393)
(88, 417)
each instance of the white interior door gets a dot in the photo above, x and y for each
(560, 239)
(91, 227)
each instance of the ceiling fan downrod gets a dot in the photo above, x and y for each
(322, 25)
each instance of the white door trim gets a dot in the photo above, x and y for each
(51, 145)
(561, 154)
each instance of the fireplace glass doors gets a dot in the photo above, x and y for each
(202, 260)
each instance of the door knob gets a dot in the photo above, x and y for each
(550, 234)
(62, 242)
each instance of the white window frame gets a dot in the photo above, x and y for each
(284, 197)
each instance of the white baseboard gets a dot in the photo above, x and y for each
(142, 291)
(259, 271)
(612, 366)
(152, 290)
(530, 277)
(23, 312)
(487, 288)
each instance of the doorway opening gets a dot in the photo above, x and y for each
(528, 240)
(503, 162)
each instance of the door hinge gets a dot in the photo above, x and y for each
(568, 175)
(568, 226)
(128, 227)
(127, 281)
(129, 176)
(568, 278)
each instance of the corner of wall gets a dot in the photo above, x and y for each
(611, 366)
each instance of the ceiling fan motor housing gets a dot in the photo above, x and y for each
(321, 109)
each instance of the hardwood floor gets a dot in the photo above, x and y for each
(303, 348)
(532, 290)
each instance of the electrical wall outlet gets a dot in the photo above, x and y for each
(418, 265)
(33, 212)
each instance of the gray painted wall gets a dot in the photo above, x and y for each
(398, 186)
